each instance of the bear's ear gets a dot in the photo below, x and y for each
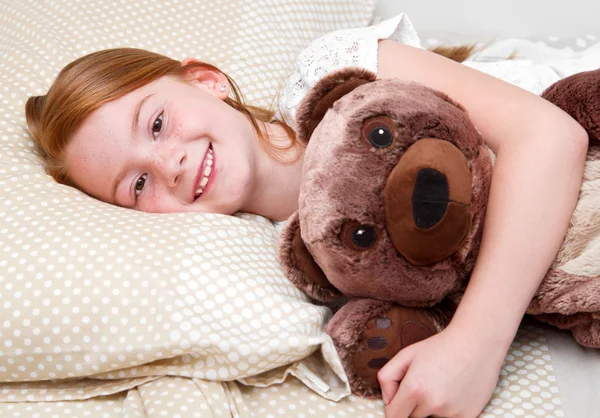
(324, 94)
(578, 95)
(299, 265)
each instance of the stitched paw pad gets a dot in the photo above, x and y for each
(387, 334)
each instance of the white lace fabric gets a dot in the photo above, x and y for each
(525, 74)
(336, 50)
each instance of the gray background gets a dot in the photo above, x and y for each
(490, 19)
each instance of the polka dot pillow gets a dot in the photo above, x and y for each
(88, 289)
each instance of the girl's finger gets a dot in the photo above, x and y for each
(402, 405)
(392, 373)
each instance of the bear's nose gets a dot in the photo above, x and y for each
(427, 201)
(430, 198)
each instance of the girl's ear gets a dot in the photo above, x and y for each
(214, 81)
(300, 266)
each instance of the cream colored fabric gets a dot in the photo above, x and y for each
(88, 289)
(527, 388)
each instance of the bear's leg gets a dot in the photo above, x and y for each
(585, 326)
(367, 333)
(570, 301)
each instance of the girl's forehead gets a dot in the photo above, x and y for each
(119, 112)
(124, 106)
(162, 84)
(101, 134)
(97, 150)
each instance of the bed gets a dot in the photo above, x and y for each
(105, 312)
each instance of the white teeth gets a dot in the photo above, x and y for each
(206, 173)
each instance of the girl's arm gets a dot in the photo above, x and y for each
(540, 153)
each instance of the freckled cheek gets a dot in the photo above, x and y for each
(186, 128)
(158, 202)
(177, 131)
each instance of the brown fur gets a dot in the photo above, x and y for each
(322, 97)
(345, 329)
(578, 96)
(328, 191)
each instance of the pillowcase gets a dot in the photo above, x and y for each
(89, 289)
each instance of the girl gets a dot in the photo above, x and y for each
(143, 131)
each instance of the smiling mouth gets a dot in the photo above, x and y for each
(206, 171)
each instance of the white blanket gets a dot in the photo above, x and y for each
(535, 65)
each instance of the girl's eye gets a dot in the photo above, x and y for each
(139, 184)
(157, 125)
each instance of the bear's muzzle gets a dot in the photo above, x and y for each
(427, 201)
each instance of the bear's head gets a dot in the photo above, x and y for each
(393, 195)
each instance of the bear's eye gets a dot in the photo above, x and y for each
(357, 236)
(380, 137)
(379, 131)
(364, 236)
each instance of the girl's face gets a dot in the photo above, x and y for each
(169, 146)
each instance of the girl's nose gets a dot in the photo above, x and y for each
(169, 165)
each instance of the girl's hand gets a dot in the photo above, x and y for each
(446, 375)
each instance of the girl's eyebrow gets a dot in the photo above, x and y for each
(135, 121)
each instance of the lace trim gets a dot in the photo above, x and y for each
(336, 50)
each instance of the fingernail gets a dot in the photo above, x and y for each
(385, 398)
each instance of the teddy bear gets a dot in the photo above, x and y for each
(391, 208)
